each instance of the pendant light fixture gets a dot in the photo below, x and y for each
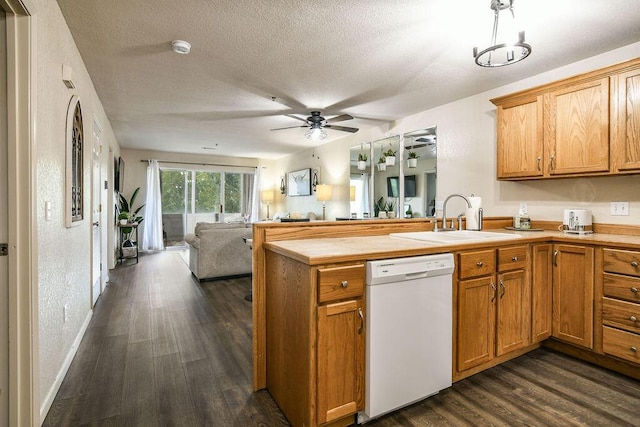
(507, 45)
(315, 133)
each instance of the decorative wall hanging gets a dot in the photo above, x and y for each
(74, 164)
(299, 182)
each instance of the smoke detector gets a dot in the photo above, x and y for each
(180, 46)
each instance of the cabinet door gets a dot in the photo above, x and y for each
(513, 311)
(476, 322)
(520, 139)
(573, 283)
(625, 126)
(577, 128)
(541, 292)
(341, 359)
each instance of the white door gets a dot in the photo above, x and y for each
(4, 231)
(96, 203)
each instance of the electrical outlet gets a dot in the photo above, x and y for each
(439, 205)
(523, 207)
(620, 208)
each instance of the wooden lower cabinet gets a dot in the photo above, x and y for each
(573, 294)
(541, 291)
(341, 359)
(493, 310)
(315, 326)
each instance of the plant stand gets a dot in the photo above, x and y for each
(128, 241)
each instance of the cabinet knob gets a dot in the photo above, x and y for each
(634, 263)
(634, 290)
(479, 264)
(344, 283)
(633, 318)
(633, 349)
(515, 258)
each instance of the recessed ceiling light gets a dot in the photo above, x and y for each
(180, 46)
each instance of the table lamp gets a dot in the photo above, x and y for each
(268, 197)
(324, 192)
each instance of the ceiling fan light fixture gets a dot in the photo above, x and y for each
(181, 47)
(502, 50)
(315, 133)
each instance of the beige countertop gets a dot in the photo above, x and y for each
(344, 249)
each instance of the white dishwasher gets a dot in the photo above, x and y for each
(409, 331)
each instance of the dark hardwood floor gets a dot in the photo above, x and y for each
(165, 350)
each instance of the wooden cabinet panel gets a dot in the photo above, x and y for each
(577, 128)
(340, 359)
(623, 262)
(342, 282)
(512, 258)
(541, 292)
(512, 312)
(573, 288)
(621, 314)
(624, 345)
(476, 322)
(520, 139)
(625, 129)
(477, 263)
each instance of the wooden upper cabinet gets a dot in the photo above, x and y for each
(577, 128)
(625, 129)
(520, 139)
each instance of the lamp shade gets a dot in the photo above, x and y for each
(324, 192)
(352, 193)
(268, 196)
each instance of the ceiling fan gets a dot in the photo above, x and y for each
(316, 124)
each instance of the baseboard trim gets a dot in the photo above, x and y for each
(55, 387)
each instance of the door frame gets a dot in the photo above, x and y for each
(23, 291)
(96, 159)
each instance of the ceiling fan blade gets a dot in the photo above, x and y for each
(340, 118)
(296, 117)
(291, 127)
(342, 128)
(427, 140)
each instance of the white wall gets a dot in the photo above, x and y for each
(63, 254)
(467, 159)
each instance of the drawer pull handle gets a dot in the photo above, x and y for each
(493, 297)
(479, 263)
(344, 283)
(361, 320)
(634, 290)
(633, 318)
(634, 263)
(515, 258)
(633, 349)
(504, 289)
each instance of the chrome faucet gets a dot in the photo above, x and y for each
(444, 214)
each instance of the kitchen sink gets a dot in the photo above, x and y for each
(462, 236)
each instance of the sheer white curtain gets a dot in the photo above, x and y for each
(255, 197)
(364, 202)
(152, 238)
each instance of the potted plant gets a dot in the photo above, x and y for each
(390, 209)
(382, 163)
(362, 161)
(124, 211)
(412, 160)
(379, 206)
(390, 157)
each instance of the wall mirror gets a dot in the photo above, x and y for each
(404, 186)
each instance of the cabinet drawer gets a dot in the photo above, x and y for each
(514, 258)
(337, 283)
(621, 314)
(623, 262)
(624, 345)
(622, 287)
(474, 264)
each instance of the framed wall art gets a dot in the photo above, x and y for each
(74, 164)
(299, 183)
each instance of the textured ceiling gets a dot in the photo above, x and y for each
(378, 60)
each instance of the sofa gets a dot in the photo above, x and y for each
(218, 250)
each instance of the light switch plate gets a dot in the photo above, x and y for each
(620, 208)
(439, 205)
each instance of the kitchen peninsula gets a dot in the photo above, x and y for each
(571, 293)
